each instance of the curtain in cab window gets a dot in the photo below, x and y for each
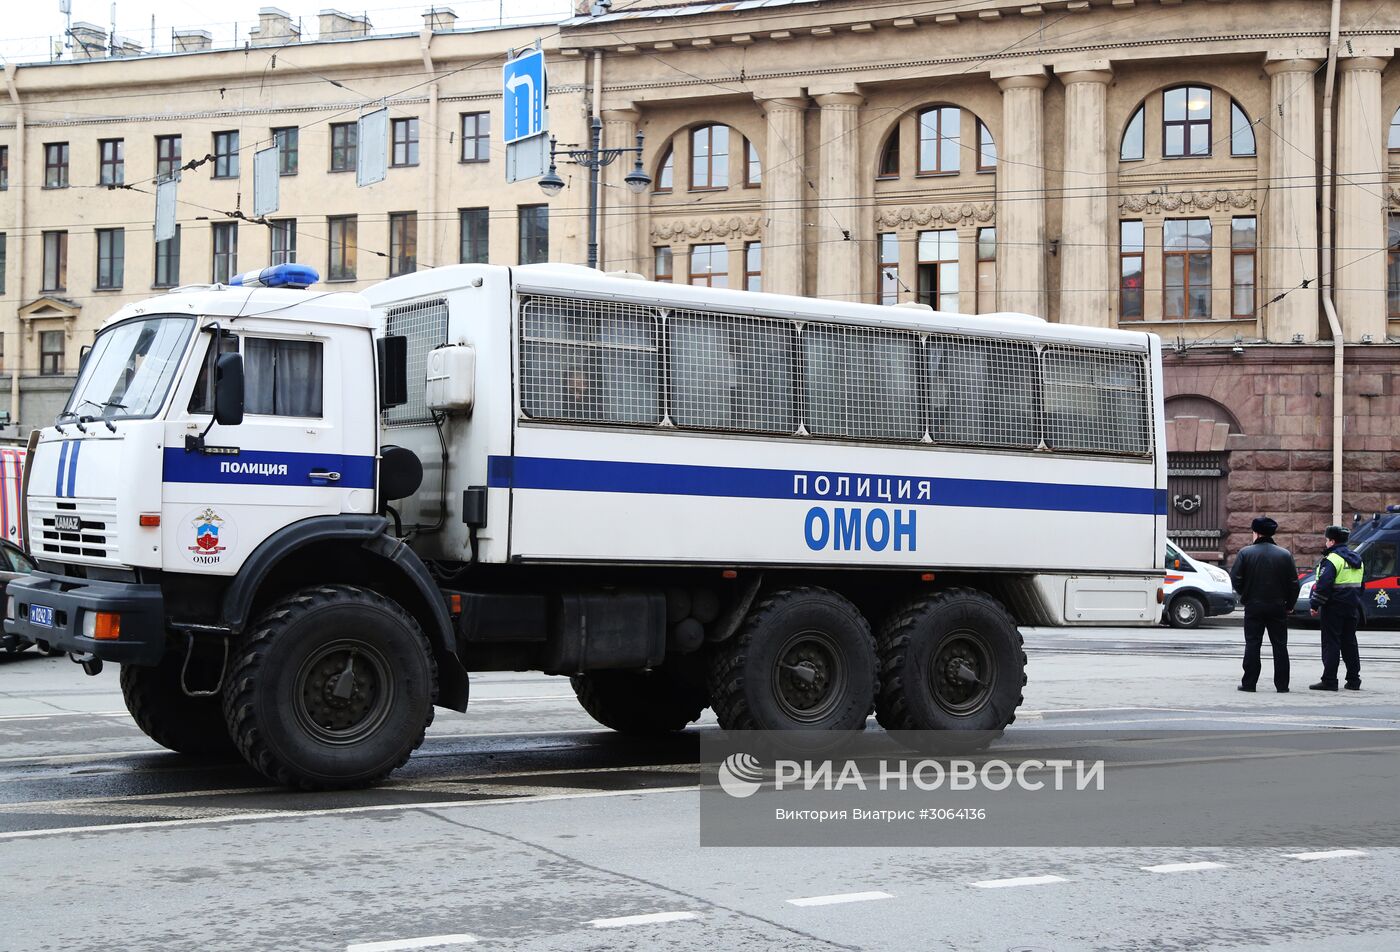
(282, 377)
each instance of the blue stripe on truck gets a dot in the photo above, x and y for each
(266, 468)
(609, 476)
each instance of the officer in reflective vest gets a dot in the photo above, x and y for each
(1336, 598)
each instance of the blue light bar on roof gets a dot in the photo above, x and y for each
(277, 276)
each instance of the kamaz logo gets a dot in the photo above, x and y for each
(67, 523)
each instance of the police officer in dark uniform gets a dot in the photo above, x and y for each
(1336, 598)
(1267, 579)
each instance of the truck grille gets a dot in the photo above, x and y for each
(53, 536)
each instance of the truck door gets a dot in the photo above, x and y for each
(286, 462)
(1381, 596)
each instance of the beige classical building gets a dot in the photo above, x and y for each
(1150, 164)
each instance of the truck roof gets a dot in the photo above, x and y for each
(218, 300)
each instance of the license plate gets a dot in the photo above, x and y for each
(41, 615)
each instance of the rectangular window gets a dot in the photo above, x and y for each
(982, 392)
(1392, 297)
(664, 264)
(4, 167)
(753, 266)
(476, 137)
(55, 165)
(1186, 268)
(226, 155)
(861, 383)
(344, 246)
(225, 251)
(476, 235)
(345, 140)
(405, 139)
(986, 149)
(2, 270)
(889, 268)
(732, 373)
(111, 258)
(592, 361)
(112, 161)
(1130, 274)
(55, 261)
(287, 139)
(51, 353)
(938, 269)
(709, 157)
(532, 222)
(283, 235)
(1095, 401)
(940, 140)
(709, 265)
(986, 270)
(168, 262)
(282, 377)
(753, 170)
(167, 156)
(403, 243)
(1243, 245)
(1186, 122)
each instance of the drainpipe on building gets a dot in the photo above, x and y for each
(425, 40)
(1328, 189)
(17, 172)
(596, 112)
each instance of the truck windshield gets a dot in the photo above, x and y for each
(130, 369)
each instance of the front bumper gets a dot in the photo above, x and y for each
(141, 607)
(1220, 603)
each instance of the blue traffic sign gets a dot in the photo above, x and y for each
(524, 92)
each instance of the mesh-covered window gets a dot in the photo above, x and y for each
(862, 383)
(590, 361)
(732, 373)
(424, 323)
(982, 392)
(1096, 401)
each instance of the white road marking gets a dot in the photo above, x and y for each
(839, 898)
(335, 811)
(647, 919)
(1019, 881)
(1326, 854)
(426, 942)
(36, 717)
(1182, 867)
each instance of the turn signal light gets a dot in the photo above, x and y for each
(456, 602)
(150, 519)
(107, 626)
(1161, 595)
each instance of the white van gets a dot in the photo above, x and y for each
(1194, 590)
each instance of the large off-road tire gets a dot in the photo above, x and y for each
(331, 688)
(804, 659)
(951, 661)
(643, 703)
(169, 716)
(1186, 611)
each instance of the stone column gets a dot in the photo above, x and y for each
(1021, 194)
(1359, 235)
(1289, 248)
(1087, 241)
(784, 237)
(623, 213)
(839, 261)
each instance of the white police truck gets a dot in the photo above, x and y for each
(297, 519)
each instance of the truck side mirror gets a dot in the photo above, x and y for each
(228, 390)
(1176, 563)
(392, 354)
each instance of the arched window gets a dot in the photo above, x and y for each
(940, 140)
(889, 158)
(709, 157)
(1241, 131)
(986, 148)
(666, 172)
(1131, 149)
(1393, 143)
(1186, 122)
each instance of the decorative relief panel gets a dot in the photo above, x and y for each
(1206, 200)
(965, 213)
(735, 226)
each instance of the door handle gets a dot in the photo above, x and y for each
(323, 475)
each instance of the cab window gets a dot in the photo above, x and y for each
(1379, 558)
(280, 377)
(1174, 562)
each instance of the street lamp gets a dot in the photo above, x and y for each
(594, 158)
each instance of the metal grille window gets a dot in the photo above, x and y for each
(344, 246)
(111, 258)
(476, 235)
(424, 324)
(405, 139)
(168, 262)
(283, 234)
(1243, 244)
(938, 269)
(1130, 279)
(709, 266)
(403, 243)
(55, 261)
(861, 383)
(732, 373)
(345, 141)
(112, 156)
(709, 157)
(590, 361)
(533, 233)
(287, 139)
(982, 392)
(1186, 122)
(753, 266)
(940, 140)
(986, 270)
(1241, 131)
(55, 165)
(664, 264)
(225, 251)
(1186, 268)
(476, 137)
(226, 155)
(1095, 401)
(167, 156)
(986, 149)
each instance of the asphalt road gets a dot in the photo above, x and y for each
(521, 826)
